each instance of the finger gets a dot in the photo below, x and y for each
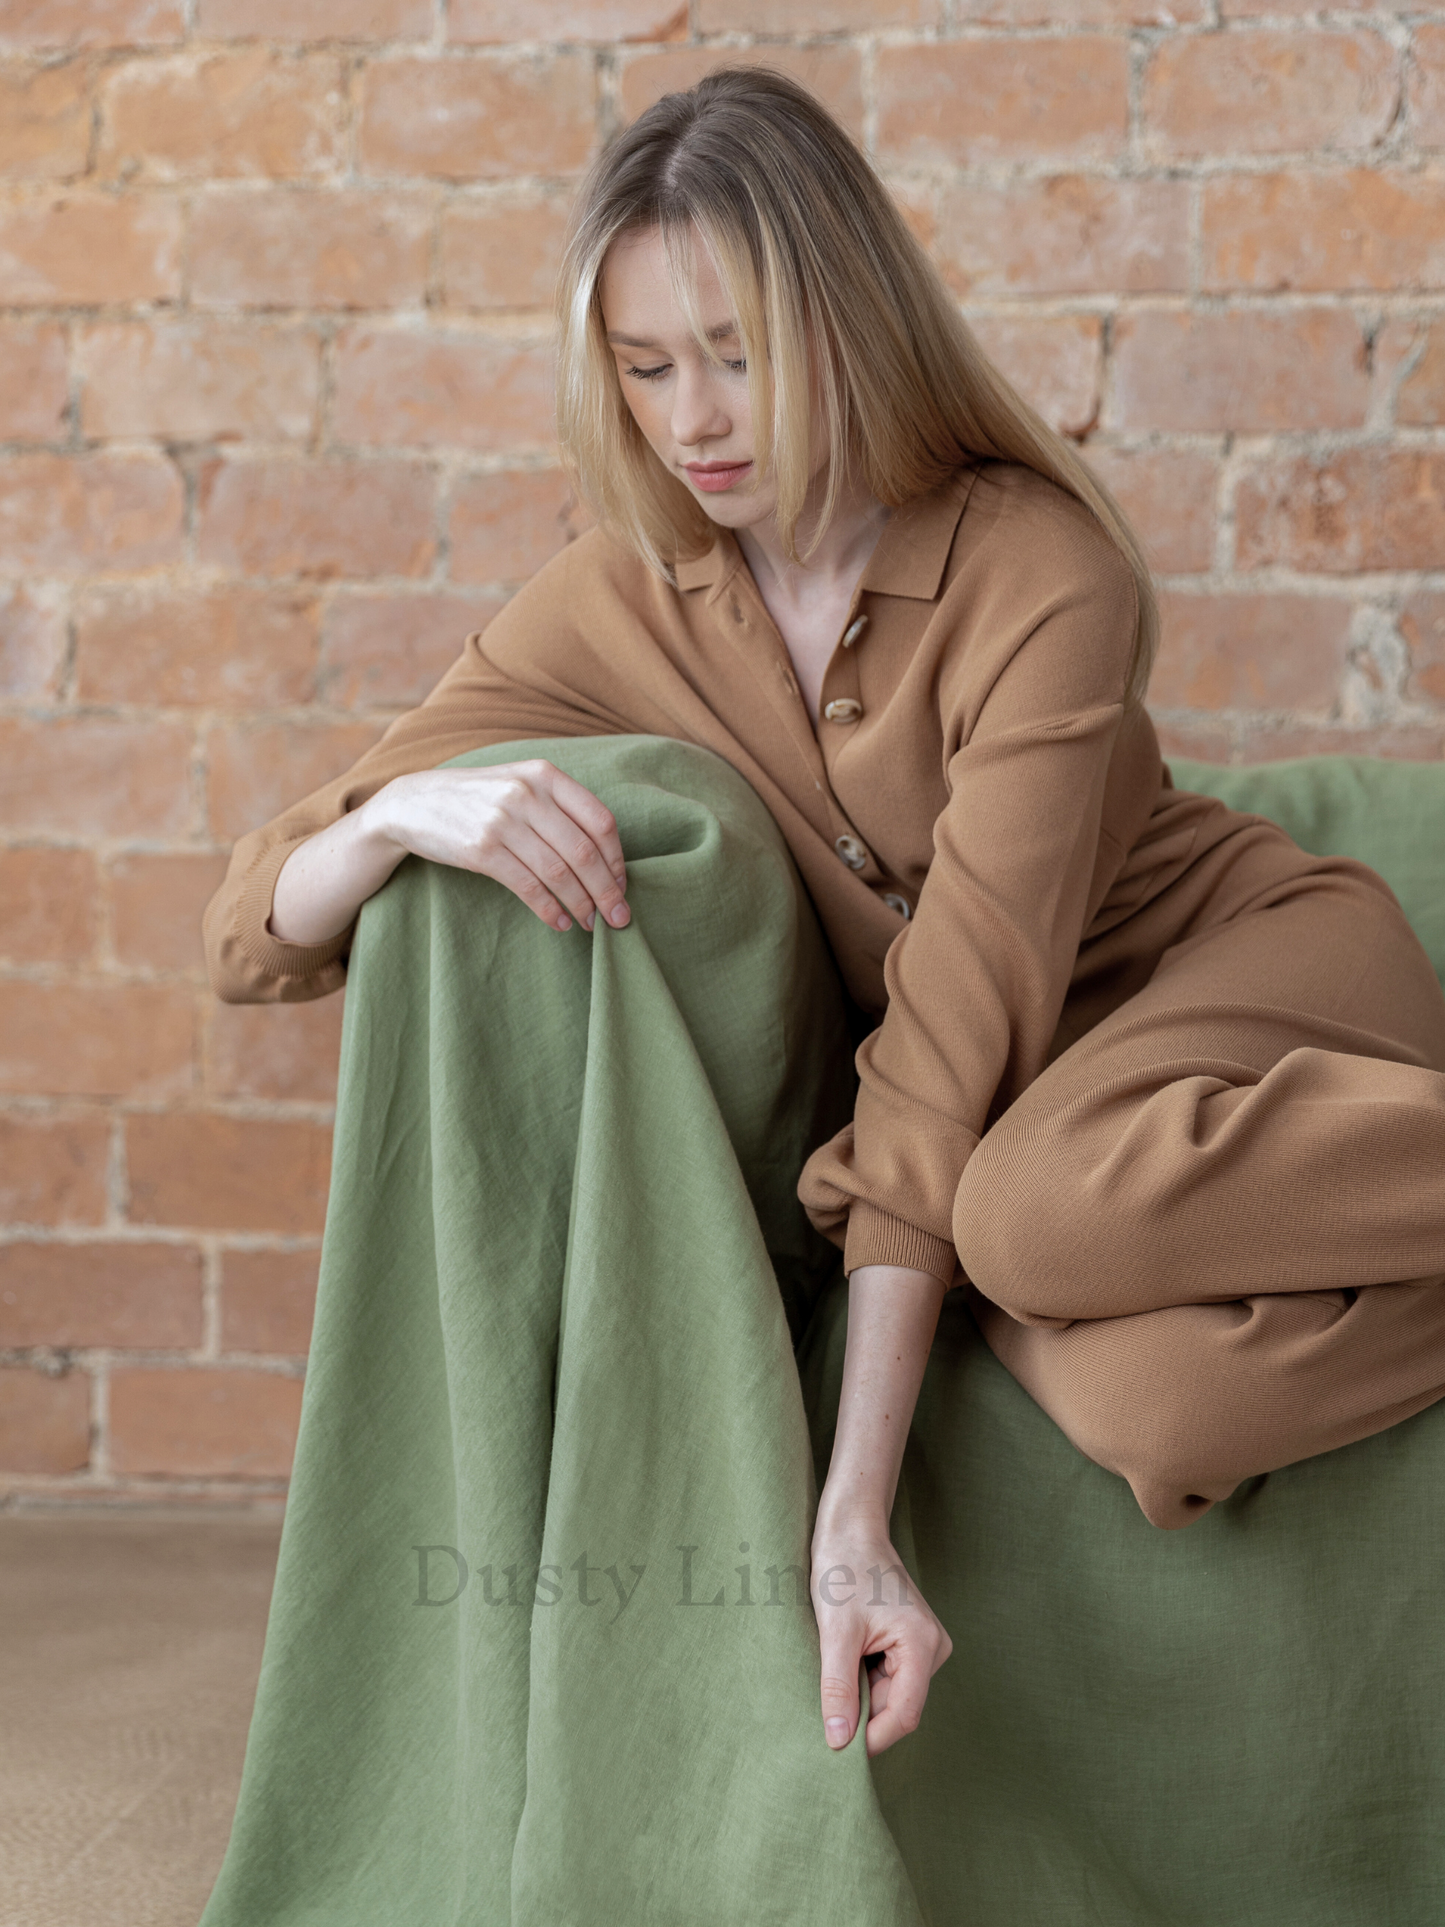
(898, 1700)
(596, 819)
(524, 883)
(552, 870)
(842, 1648)
(583, 856)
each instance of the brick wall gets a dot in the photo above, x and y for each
(274, 412)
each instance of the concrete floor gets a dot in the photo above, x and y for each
(130, 1644)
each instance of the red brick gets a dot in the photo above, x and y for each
(1249, 371)
(1168, 494)
(395, 388)
(1408, 368)
(268, 1299)
(136, 1295)
(300, 248)
(1427, 85)
(502, 254)
(318, 518)
(207, 116)
(1420, 400)
(833, 73)
(188, 381)
(1406, 745)
(1358, 228)
(44, 1420)
(487, 21)
(1269, 91)
(274, 1050)
(1200, 744)
(52, 1169)
(91, 776)
(389, 651)
(83, 23)
(1054, 363)
(504, 527)
(33, 382)
(1071, 234)
(226, 647)
(1082, 13)
(99, 1040)
(47, 906)
(482, 118)
(1361, 508)
(156, 904)
(1251, 652)
(1422, 624)
(257, 771)
(297, 21)
(228, 1173)
(217, 1422)
(1003, 99)
(69, 512)
(45, 120)
(811, 16)
(1252, 9)
(83, 247)
(32, 640)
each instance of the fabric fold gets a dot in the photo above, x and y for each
(541, 1648)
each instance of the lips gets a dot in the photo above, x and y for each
(713, 477)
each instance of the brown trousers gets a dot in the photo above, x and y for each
(1209, 1238)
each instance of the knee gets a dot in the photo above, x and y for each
(1174, 1469)
(1022, 1227)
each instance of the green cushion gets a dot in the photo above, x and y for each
(1390, 815)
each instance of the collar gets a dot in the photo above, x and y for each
(909, 557)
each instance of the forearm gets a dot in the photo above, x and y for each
(326, 879)
(892, 1315)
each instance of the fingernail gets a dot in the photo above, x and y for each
(590, 919)
(619, 916)
(564, 923)
(837, 1731)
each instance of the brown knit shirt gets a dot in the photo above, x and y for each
(975, 762)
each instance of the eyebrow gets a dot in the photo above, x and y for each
(721, 332)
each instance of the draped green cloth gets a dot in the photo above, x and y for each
(537, 1656)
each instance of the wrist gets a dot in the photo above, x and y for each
(852, 1510)
(373, 824)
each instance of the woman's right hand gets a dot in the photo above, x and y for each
(528, 825)
(534, 829)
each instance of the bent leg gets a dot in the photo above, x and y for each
(1210, 1238)
(1187, 1402)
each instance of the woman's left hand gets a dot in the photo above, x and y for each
(866, 1602)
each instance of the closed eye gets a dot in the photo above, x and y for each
(650, 374)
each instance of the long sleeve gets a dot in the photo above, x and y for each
(977, 979)
(478, 702)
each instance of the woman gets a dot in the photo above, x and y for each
(1162, 1093)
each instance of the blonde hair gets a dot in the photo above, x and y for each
(837, 307)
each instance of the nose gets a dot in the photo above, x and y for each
(697, 412)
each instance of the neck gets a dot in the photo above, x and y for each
(841, 552)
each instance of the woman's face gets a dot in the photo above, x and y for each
(694, 414)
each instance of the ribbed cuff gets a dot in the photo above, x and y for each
(253, 908)
(876, 1237)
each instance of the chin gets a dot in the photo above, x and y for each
(734, 511)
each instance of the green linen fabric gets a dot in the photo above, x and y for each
(563, 1271)
(571, 1321)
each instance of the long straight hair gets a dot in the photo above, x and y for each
(837, 307)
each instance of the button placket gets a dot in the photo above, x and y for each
(840, 700)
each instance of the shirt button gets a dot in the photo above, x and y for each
(854, 630)
(900, 904)
(852, 852)
(844, 710)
